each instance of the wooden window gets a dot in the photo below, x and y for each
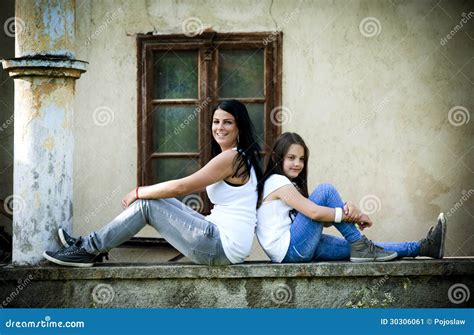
(181, 78)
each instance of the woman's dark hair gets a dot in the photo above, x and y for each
(247, 145)
(275, 161)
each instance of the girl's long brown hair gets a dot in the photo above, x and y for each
(277, 155)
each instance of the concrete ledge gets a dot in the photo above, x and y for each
(405, 283)
(415, 267)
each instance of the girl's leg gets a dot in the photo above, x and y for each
(305, 233)
(403, 249)
(304, 238)
(331, 248)
(333, 200)
(190, 233)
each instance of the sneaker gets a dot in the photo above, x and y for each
(75, 255)
(364, 250)
(433, 244)
(65, 238)
(67, 241)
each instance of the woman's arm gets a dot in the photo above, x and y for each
(218, 168)
(296, 200)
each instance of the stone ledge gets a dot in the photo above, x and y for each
(406, 267)
(414, 283)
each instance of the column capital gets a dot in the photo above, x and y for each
(45, 66)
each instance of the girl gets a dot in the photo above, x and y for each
(290, 223)
(223, 237)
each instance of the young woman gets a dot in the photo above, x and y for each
(290, 223)
(225, 236)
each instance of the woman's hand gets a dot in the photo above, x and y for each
(364, 222)
(128, 199)
(351, 212)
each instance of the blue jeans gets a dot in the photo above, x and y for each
(308, 243)
(185, 229)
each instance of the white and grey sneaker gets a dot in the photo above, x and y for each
(65, 238)
(433, 244)
(364, 250)
(75, 255)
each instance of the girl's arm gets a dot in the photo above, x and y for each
(218, 168)
(296, 200)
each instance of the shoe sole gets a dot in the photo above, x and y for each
(444, 224)
(59, 262)
(62, 238)
(379, 259)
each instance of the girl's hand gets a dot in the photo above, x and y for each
(128, 199)
(365, 222)
(351, 212)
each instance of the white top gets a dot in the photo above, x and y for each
(273, 227)
(235, 215)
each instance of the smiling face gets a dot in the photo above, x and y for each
(293, 162)
(224, 129)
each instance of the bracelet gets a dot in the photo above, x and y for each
(136, 192)
(338, 215)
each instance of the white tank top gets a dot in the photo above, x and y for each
(274, 222)
(235, 215)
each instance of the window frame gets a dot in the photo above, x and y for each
(207, 45)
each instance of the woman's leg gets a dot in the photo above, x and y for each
(305, 233)
(190, 233)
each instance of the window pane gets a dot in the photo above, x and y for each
(176, 75)
(168, 169)
(256, 112)
(241, 73)
(175, 129)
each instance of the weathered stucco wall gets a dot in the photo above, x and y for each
(7, 50)
(370, 85)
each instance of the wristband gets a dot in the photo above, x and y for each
(136, 192)
(338, 215)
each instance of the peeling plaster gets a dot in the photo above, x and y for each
(49, 143)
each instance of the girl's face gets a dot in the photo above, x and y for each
(293, 162)
(224, 129)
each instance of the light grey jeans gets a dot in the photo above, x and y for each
(185, 229)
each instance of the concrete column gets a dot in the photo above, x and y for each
(45, 72)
